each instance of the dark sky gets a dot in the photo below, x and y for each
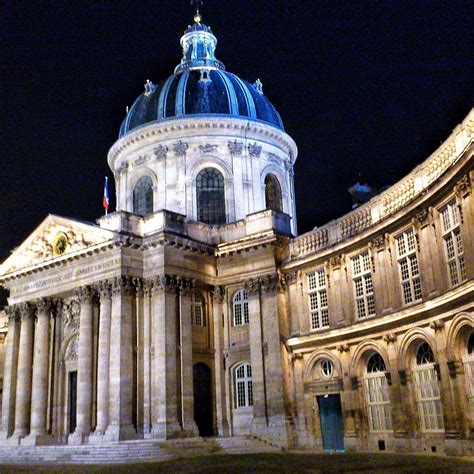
(362, 86)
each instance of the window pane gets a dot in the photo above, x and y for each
(143, 197)
(210, 197)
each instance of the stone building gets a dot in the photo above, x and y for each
(194, 309)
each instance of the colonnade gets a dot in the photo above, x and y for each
(121, 321)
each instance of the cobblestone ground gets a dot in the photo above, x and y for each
(276, 463)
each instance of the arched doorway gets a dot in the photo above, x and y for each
(203, 399)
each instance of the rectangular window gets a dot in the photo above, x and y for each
(318, 299)
(428, 398)
(378, 402)
(454, 250)
(408, 265)
(363, 285)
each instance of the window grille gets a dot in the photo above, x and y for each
(143, 197)
(197, 310)
(243, 386)
(318, 299)
(408, 265)
(210, 197)
(454, 250)
(363, 285)
(241, 308)
(376, 390)
(273, 198)
(468, 361)
(425, 380)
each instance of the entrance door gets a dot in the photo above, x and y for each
(332, 428)
(72, 402)
(202, 399)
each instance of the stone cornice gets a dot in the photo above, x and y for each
(186, 128)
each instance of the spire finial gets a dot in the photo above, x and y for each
(197, 16)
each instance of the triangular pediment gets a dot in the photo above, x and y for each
(54, 239)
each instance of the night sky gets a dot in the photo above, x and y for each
(368, 87)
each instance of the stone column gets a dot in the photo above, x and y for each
(273, 361)
(163, 351)
(103, 360)
(121, 362)
(147, 331)
(25, 362)
(84, 367)
(221, 409)
(298, 394)
(260, 416)
(186, 292)
(10, 372)
(39, 392)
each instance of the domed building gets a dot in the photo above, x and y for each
(195, 309)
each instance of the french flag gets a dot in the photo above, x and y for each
(106, 200)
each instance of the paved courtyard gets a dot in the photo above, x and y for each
(277, 463)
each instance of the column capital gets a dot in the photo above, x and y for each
(252, 286)
(13, 313)
(27, 311)
(123, 285)
(218, 294)
(43, 305)
(71, 311)
(104, 288)
(139, 284)
(185, 285)
(85, 294)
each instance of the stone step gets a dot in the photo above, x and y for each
(132, 451)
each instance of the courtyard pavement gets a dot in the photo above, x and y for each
(275, 463)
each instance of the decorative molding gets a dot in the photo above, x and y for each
(422, 217)
(463, 186)
(379, 242)
(252, 286)
(122, 169)
(208, 148)
(139, 284)
(72, 351)
(71, 311)
(218, 294)
(390, 338)
(104, 289)
(85, 294)
(290, 277)
(342, 348)
(354, 383)
(43, 305)
(254, 150)
(235, 147)
(161, 152)
(123, 285)
(402, 374)
(180, 148)
(141, 160)
(27, 311)
(336, 262)
(13, 313)
(437, 325)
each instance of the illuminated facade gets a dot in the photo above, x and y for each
(194, 310)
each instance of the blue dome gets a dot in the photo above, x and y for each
(201, 92)
(200, 86)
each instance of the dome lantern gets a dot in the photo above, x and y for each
(199, 47)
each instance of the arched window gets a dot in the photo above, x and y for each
(241, 308)
(468, 361)
(273, 193)
(143, 197)
(210, 197)
(425, 380)
(243, 386)
(376, 392)
(197, 310)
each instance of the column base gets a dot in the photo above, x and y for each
(4, 435)
(120, 433)
(275, 431)
(37, 440)
(223, 428)
(14, 440)
(190, 430)
(164, 431)
(77, 438)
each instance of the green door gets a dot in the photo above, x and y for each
(332, 428)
